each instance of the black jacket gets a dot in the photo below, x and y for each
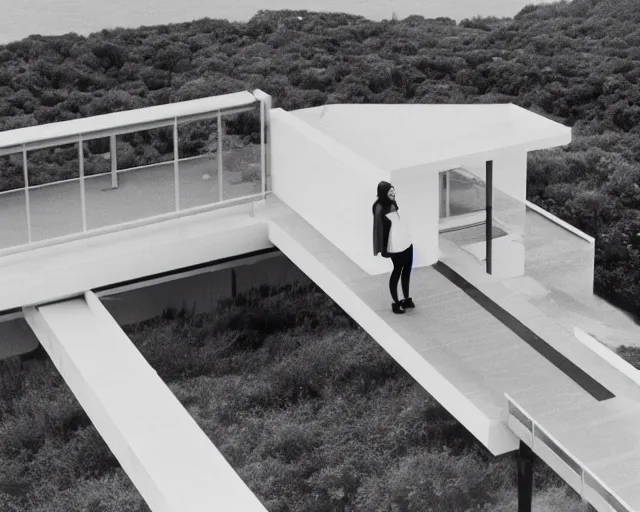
(381, 227)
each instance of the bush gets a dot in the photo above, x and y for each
(316, 417)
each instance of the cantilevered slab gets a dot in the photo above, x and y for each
(464, 353)
(68, 269)
(396, 137)
(168, 457)
(364, 298)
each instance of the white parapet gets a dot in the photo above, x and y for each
(168, 457)
(607, 355)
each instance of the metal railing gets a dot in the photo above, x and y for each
(86, 231)
(587, 477)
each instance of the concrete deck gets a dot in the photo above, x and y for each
(558, 272)
(449, 336)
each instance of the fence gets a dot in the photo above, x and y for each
(189, 165)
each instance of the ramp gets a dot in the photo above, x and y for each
(469, 348)
(168, 457)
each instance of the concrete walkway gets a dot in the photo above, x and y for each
(558, 271)
(467, 357)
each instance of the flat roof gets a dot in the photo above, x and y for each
(64, 132)
(405, 136)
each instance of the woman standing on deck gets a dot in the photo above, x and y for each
(391, 237)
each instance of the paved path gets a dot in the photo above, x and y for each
(451, 335)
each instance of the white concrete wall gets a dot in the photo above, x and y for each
(328, 185)
(418, 198)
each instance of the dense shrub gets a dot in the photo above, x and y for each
(315, 417)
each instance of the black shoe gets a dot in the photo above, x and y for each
(407, 303)
(397, 308)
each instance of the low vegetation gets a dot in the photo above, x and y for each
(308, 409)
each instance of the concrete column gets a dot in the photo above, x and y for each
(489, 208)
(524, 465)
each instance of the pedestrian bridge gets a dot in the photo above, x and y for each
(512, 372)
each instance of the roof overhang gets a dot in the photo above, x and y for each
(126, 121)
(401, 138)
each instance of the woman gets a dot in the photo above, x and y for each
(391, 238)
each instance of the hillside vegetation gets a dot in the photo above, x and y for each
(308, 409)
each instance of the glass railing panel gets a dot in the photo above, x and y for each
(144, 147)
(145, 179)
(54, 192)
(198, 165)
(97, 156)
(241, 156)
(13, 207)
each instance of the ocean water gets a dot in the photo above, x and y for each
(21, 18)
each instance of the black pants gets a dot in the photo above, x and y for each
(402, 263)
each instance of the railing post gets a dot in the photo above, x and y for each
(114, 161)
(25, 170)
(83, 204)
(176, 164)
(524, 466)
(489, 220)
(265, 129)
(220, 167)
(447, 196)
(262, 148)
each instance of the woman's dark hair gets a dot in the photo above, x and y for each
(383, 198)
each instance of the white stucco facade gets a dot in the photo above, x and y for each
(329, 185)
(328, 160)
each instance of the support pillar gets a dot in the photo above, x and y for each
(234, 292)
(489, 220)
(524, 465)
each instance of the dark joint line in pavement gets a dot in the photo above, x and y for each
(579, 376)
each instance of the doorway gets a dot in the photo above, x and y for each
(462, 199)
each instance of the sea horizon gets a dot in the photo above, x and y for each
(58, 17)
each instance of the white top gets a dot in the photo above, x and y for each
(399, 236)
